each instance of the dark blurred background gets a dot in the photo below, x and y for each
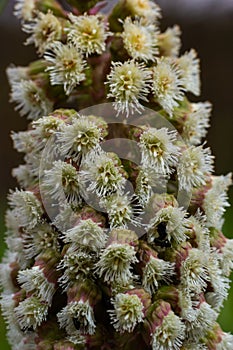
(207, 26)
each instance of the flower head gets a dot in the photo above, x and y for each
(66, 65)
(80, 137)
(30, 99)
(196, 123)
(115, 263)
(129, 83)
(127, 313)
(189, 67)
(86, 233)
(168, 224)
(62, 182)
(77, 315)
(27, 208)
(159, 150)
(194, 167)
(25, 9)
(103, 173)
(44, 29)
(139, 40)
(31, 312)
(169, 42)
(168, 85)
(155, 272)
(144, 8)
(88, 33)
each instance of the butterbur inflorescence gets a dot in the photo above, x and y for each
(112, 245)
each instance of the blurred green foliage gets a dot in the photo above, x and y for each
(225, 319)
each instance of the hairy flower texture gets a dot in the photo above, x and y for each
(169, 42)
(121, 211)
(27, 208)
(144, 8)
(33, 280)
(44, 30)
(189, 66)
(194, 167)
(173, 224)
(128, 82)
(127, 313)
(226, 342)
(77, 312)
(88, 33)
(88, 234)
(62, 182)
(38, 239)
(31, 312)
(146, 181)
(139, 40)
(220, 284)
(159, 150)
(196, 123)
(23, 176)
(168, 87)
(115, 263)
(16, 74)
(30, 99)
(227, 258)
(166, 329)
(66, 65)
(103, 173)
(216, 200)
(77, 265)
(155, 272)
(25, 9)
(205, 318)
(24, 141)
(199, 232)
(80, 137)
(194, 272)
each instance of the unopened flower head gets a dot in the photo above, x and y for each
(127, 313)
(128, 83)
(88, 33)
(44, 30)
(30, 99)
(159, 150)
(168, 87)
(139, 40)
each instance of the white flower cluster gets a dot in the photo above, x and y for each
(135, 270)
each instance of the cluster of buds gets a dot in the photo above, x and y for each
(89, 264)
